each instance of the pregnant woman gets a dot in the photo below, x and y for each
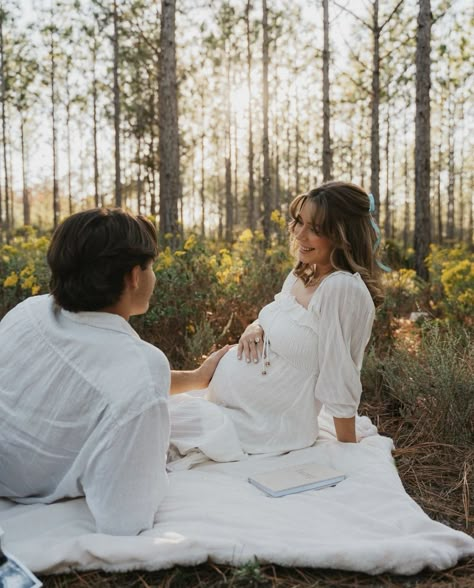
(306, 348)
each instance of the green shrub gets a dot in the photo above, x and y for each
(434, 385)
(452, 282)
(23, 268)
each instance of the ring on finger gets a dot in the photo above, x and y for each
(257, 340)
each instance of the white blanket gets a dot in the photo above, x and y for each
(367, 523)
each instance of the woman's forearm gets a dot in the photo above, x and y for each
(345, 430)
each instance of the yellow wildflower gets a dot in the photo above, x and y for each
(11, 280)
(246, 236)
(190, 243)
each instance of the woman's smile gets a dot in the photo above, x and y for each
(313, 247)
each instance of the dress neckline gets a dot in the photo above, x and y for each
(312, 297)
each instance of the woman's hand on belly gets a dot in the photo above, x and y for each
(251, 343)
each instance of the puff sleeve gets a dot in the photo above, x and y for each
(345, 313)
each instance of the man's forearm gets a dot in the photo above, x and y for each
(186, 380)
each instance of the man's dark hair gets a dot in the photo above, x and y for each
(92, 251)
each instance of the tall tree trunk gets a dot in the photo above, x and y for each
(26, 196)
(361, 149)
(277, 165)
(236, 172)
(350, 156)
(450, 219)
(52, 48)
(251, 212)
(266, 180)
(422, 139)
(470, 225)
(326, 105)
(297, 144)
(115, 42)
(170, 189)
(393, 215)
(461, 181)
(68, 138)
(97, 199)
(1, 215)
(152, 156)
(4, 125)
(288, 152)
(229, 205)
(439, 208)
(375, 101)
(406, 204)
(141, 204)
(388, 216)
(202, 191)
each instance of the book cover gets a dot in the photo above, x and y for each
(297, 478)
(13, 573)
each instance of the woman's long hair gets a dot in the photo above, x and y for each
(341, 212)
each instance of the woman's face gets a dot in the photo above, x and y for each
(313, 248)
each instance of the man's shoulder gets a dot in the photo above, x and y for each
(155, 360)
(137, 379)
(26, 309)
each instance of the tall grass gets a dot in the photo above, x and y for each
(431, 381)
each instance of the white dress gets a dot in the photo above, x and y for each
(314, 357)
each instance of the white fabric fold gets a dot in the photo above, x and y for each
(367, 523)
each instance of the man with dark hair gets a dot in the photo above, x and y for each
(83, 400)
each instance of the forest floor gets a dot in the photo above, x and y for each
(439, 477)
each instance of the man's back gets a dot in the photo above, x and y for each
(79, 393)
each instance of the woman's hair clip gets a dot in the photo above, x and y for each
(381, 265)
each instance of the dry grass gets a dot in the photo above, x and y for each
(438, 476)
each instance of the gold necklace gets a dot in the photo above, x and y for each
(315, 280)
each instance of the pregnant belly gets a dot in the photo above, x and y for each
(241, 385)
(272, 412)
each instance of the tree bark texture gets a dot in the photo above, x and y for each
(26, 195)
(388, 215)
(470, 224)
(168, 122)
(406, 185)
(266, 180)
(4, 124)
(251, 216)
(115, 42)
(327, 156)
(97, 201)
(422, 139)
(375, 131)
(450, 220)
(229, 205)
(56, 207)
(68, 138)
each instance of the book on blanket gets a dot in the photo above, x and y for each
(297, 478)
(13, 574)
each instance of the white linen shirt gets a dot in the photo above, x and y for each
(83, 412)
